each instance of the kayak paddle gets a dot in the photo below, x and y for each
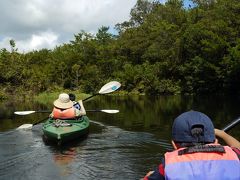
(107, 88)
(29, 126)
(23, 113)
(231, 125)
(109, 111)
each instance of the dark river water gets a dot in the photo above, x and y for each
(120, 146)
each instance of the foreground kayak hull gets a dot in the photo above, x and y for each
(62, 131)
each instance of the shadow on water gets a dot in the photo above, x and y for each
(65, 145)
(119, 146)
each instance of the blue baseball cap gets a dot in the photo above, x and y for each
(183, 124)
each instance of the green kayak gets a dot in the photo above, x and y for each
(62, 131)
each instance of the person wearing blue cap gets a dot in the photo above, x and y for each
(197, 154)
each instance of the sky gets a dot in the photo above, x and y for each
(37, 24)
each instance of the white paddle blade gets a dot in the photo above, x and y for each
(109, 87)
(22, 113)
(25, 126)
(110, 111)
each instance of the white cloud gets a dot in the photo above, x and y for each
(35, 42)
(4, 43)
(39, 41)
(35, 24)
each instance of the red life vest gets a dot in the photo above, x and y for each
(202, 165)
(64, 114)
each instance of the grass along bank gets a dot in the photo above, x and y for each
(49, 97)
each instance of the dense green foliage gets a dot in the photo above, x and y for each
(162, 49)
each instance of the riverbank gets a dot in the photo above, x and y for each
(43, 97)
(49, 97)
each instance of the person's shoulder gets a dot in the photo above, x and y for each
(155, 175)
(158, 173)
(237, 151)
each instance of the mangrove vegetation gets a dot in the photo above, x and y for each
(162, 49)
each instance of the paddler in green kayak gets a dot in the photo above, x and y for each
(64, 108)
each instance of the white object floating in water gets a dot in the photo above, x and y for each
(25, 126)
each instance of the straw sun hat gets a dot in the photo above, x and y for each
(63, 101)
